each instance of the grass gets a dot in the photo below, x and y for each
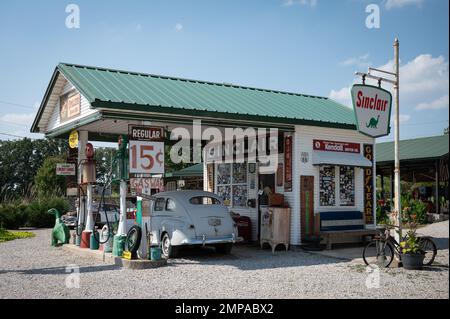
(11, 235)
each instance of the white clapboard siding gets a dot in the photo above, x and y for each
(85, 109)
(304, 143)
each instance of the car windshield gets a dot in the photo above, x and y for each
(204, 200)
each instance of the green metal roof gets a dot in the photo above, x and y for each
(195, 170)
(414, 149)
(125, 90)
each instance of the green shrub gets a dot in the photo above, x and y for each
(15, 215)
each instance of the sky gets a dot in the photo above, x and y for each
(303, 46)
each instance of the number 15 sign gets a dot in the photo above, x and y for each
(146, 157)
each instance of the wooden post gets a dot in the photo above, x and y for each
(436, 201)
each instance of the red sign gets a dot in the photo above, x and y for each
(288, 163)
(333, 146)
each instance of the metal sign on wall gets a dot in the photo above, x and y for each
(372, 106)
(288, 163)
(369, 208)
(333, 146)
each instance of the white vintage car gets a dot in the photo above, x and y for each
(191, 218)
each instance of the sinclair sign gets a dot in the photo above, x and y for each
(372, 107)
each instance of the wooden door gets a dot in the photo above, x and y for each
(307, 205)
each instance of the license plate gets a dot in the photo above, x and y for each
(214, 222)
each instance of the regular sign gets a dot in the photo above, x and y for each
(372, 107)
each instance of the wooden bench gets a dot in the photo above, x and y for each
(333, 226)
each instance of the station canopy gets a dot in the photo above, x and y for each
(117, 98)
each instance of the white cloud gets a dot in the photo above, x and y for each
(18, 119)
(440, 103)
(309, 3)
(178, 27)
(404, 118)
(424, 80)
(360, 61)
(342, 96)
(389, 4)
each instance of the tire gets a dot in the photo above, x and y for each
(371, 254)
(167, 250)
(133, 239)
(430, 249)
(224, 248)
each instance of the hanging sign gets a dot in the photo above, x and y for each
(369, 208)
(372, 106)
(145, 133)
(333, 146)
(144, 185)
(73, 139)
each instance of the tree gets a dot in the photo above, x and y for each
(46, 183)
(19, 162)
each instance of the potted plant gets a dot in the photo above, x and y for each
(412, 254)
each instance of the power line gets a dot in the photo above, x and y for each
(18, 136)
(15, 104)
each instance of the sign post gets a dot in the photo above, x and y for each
(373, 126)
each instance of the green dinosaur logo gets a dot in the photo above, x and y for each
(373, 123)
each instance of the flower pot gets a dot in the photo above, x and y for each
(413, 261)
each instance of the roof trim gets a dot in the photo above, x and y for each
(218, 115)
(44, 101)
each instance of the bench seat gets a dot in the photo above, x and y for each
(340, 224)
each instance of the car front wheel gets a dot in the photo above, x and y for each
(168, 251)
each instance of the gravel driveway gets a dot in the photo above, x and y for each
(31, 268)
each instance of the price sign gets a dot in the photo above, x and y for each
(146, 157)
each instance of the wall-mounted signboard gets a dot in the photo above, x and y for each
(372, 106)
(333, 146)
(70, 106)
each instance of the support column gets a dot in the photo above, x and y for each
(122, 229)
(436, 201)
(82, 141)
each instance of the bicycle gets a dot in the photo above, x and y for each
(381, 249)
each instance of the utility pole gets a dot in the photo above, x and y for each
(397, 191)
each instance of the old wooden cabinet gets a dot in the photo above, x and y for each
(275, 227)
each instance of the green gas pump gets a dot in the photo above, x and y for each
(121, 176)
(121, 161)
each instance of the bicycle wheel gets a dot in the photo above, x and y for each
(379, 253)
(430, 249)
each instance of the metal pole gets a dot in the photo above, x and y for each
(397, 193)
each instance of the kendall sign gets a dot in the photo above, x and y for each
(372, 107)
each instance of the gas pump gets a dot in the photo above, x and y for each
(121, 176)
(88, 180)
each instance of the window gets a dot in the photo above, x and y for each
(232, 184)
(204, 200)
(347, 186)
(327, 186)
(170, 205)
(159, 204)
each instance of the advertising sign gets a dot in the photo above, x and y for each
(145, 133)
(65, 169)
(70, 106)
(333, 146)
(369, 209)
(288, 163)
(145, 185)
(73, 139)
(372, 106)
(146, 157)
